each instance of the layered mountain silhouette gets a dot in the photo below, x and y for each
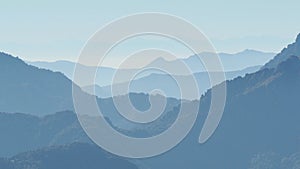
(31, 90)
(230, 62)
(237, 64)
(260, 125)
(167, 84)
(261, 116)
(23, 132)
(72, 156)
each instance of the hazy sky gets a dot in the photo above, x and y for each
(55, 30)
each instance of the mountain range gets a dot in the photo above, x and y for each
(259, 129)
(235, 65)
(261, 117)
(253, 133)
(146, 84)
(231, 62)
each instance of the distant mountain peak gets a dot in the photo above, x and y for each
(250, 50)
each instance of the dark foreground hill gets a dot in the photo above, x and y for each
(21, 132)
(72, 156)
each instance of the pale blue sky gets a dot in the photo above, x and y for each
(55, 30)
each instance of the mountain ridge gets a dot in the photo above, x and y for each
(241, 60)
(28, 89)
(261, 115)
(291, 49)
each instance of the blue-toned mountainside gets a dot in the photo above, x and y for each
(22, 132)
(28, 89)
(275, 161)
(249, 130)
(31, 90)
(290, 50)
(261, 116)
(71, 156)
